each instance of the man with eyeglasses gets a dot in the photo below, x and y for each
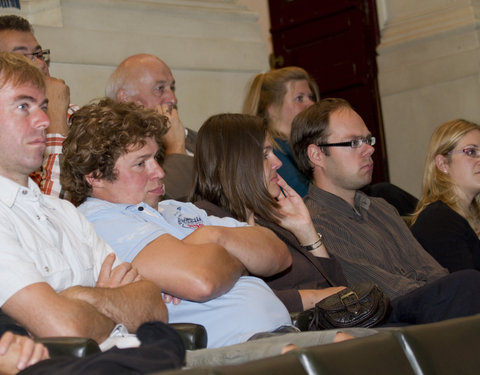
(333, 148)
(16, 35)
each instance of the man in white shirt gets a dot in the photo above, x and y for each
(58, 277)
(17, 36)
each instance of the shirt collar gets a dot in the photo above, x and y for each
(11, 191)
(95, 202)
(324, 198)
(362, 201)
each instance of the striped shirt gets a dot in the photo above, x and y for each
(47, 176)
(372, 242)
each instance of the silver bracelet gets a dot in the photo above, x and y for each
(314, 245)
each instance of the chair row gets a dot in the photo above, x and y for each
(448, 347)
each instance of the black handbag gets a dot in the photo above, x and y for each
(363, 305)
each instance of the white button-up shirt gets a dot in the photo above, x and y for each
(44, 239)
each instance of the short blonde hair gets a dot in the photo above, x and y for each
(16, 69)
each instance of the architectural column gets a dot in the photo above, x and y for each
(429, 73)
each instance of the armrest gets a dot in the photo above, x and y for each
(79, 347)
(194, 336)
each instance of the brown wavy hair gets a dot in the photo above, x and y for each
(311, 126)
(228, 166)
(13, 22)
(437, 186)
(99, 134)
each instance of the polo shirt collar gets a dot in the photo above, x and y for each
(95, 202)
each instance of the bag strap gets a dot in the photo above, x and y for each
(290, 239)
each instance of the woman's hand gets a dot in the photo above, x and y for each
(297, 219)
(295, 215)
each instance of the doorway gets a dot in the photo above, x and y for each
(335, 41)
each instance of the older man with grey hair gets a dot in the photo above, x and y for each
(147, 81)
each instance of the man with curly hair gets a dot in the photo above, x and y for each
(110, 167)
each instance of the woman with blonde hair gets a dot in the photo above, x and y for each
(278, 96)
(447, 219)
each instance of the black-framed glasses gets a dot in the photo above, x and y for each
(354, 143)
(471, 152)
(43, 55)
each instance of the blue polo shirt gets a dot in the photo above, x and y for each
(248, 308)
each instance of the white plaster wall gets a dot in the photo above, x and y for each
(429, 62)
(428, 58)
(213, 47)
(261, 8)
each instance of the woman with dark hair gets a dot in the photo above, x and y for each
(447, 220)
(235, 174)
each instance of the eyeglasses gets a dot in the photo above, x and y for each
(354, 143)
(469, 151)
(43, 55)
